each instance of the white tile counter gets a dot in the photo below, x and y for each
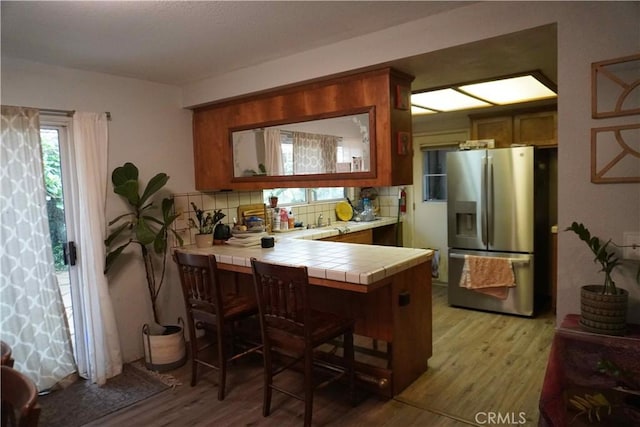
(341, 262)
(336, 228)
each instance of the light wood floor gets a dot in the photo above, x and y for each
(482, 362)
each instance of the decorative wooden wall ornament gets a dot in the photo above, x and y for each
(403, 97)
(404, 143)
(615, 154)
(612, 84)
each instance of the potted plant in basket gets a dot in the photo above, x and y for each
(603, 308)
(148, 231)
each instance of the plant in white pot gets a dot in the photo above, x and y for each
(147, 230)
(205, 224)
(603, 308)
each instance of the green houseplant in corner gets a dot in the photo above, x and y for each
(603, 308)
(147, 230)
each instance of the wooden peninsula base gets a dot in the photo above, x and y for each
(393, 324)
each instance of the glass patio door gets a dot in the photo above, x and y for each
(55, 137)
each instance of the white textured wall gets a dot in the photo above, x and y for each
(150, 129)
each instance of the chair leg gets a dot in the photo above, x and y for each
(349, 364)
(268, 381)
(194, 356)
(308, 387)
(222, 365)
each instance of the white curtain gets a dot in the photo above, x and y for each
(32, 317)
(97, 342)
(273, 152)
(314, 153)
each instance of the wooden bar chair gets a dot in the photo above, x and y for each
(290, 327)
(214, 311)
(5, 354)
(20, 406)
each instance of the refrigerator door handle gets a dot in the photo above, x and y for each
(483, 201)
(490, 201)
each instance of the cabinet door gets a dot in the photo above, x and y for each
(498, 128)
(364, 237)
(536, 128)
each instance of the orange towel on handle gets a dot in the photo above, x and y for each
(488, 275)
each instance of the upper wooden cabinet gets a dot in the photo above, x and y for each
(374, 91)
(499, 128)
(536, 128)
(532, 128)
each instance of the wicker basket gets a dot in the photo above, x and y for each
(164, 350)
(603, 313)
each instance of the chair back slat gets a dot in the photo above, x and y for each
(200, 285)
(281, 292)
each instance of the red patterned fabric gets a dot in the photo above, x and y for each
(574, 372)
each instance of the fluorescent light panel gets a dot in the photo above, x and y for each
(510, 91)
(415, 110)
(503, 91)
(446, 100)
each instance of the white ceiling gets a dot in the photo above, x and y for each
(179, 42)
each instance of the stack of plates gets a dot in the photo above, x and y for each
(246, 239)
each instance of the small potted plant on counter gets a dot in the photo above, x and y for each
(603, 308)
(205, 224)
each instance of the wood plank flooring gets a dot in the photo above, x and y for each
(482, 362)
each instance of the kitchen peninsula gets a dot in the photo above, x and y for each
(386, 289)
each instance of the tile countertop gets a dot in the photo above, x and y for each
(342, 262)
(336, 228)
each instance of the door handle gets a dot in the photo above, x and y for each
(483, 202)
(490, 202)
(69, 253)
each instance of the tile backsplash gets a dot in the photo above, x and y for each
(386, 204)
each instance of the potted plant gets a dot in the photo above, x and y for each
(603, 308)
(148, 231)
(204, 237)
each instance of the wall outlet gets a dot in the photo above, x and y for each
(631, 243)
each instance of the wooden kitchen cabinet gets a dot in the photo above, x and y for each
(385, 235)
(377, 91)
(364, 237)
(536, 128)
(498, 128)
(529, 127)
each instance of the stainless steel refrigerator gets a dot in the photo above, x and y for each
(498, 207)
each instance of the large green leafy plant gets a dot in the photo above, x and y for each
(606, 257)
(143, 226)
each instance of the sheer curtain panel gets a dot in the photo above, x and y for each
(97, 342)
(32, 318)
(273, 152)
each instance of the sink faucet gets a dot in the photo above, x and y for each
(319, 221)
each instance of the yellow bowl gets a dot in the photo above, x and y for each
(344, 211)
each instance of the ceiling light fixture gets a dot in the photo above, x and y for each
(501, 91)
(415, 110)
